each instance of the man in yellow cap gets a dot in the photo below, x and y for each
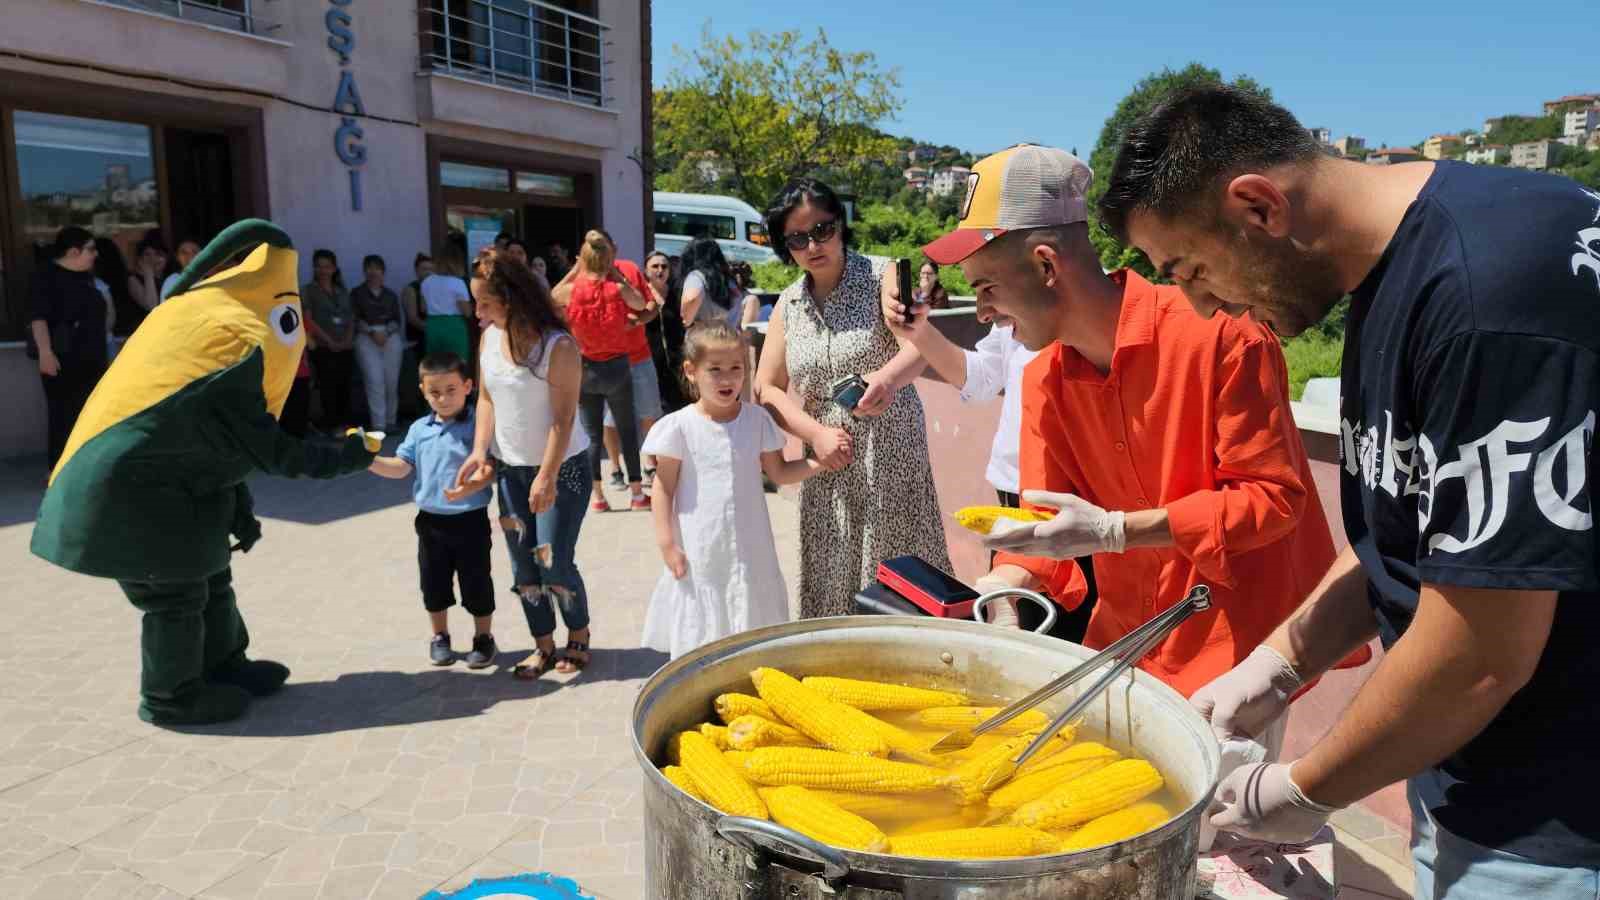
(1163, 440)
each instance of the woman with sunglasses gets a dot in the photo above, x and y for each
(876, 500)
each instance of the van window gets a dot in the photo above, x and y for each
(695, 224)
(756, 233)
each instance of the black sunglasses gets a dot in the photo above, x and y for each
(822, 232)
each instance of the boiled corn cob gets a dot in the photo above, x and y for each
(834, 725)
(976, 843)
(948, 717)
(973, 775)
(1118, 826)
(680, 777)
(776, 766)
(732, 706)
(982, 518)
(736, 758)
(723, 786)
(814, 816)
(903, 743)
(876, 695)
(717, 735)
(885, 807)
(967, 817)
(750, 732)
(1096, 794)
(1073, 762)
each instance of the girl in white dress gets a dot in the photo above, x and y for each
(722, 573)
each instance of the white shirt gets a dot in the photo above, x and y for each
(997, 364)
(441, 293)
(521, 395)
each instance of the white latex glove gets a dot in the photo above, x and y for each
(1264, 803)
(1243, 701)
(1079, 529)
(1002, 612)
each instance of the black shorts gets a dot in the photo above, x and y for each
(455, 547)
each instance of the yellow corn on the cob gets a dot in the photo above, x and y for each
(876, 695)
(982, 518)
(1121, 784)
(776, 766)
(1118, 826)
(1073, 762)
(976, 843)
(886, 807)
(949, 717)
(972, 775)
(717, 735)
(834, 725)
(736, 758)
(814, 816)
(732, 706)
(903, 743)
(750, 732)
(680, 777)
(722, 785)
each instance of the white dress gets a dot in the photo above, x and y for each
(720, 515)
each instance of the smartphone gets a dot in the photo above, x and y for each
(928, 580)
(902, 271)
(848, 391)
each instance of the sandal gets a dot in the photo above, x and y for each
(540, 662)
(570, 662)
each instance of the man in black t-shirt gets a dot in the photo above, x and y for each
(1471, 380)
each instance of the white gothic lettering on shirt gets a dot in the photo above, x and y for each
(1485, 467)
(1588, 256)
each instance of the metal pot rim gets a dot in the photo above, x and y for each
(918, 867)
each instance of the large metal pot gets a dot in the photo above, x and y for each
(695, 852)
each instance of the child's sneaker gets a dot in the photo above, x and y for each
(640, 501)
(483, 652)
(439, 650)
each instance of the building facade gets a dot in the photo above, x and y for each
(1440, 145)
(391, 129)
(1385, 156)
(1539, 155)
(1578, 123)
(948, 180)
(1489, 154)
(1349, 145)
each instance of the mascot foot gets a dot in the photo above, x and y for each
(258, 676)
(211, 703)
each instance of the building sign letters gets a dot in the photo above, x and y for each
(348, 139)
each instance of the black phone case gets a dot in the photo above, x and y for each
(903, 273)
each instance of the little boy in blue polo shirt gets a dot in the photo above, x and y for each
(452, 524)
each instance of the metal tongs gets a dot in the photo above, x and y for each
(1122, 655)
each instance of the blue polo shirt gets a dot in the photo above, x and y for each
(436, 449)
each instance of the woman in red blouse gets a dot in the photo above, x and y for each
(598, 295)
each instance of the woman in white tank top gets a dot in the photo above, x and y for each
(530, 373)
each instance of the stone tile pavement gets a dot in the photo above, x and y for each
(373, 774)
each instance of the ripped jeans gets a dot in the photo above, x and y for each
(545, 578)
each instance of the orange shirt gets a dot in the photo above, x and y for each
(1194, 417)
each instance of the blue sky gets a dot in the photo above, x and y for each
(1051, 72)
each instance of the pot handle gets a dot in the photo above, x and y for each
(1038, 598)
(744, 831)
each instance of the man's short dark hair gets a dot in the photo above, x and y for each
(1172, 156)
(443, 363)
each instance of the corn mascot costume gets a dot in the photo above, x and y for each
(152, 481)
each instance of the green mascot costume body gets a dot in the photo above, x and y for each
(152, 481)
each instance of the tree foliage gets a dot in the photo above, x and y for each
(1145, 95)
(770, 107)
(1516, 129)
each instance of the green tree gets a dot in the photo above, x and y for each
(1145, 95)
(773, 106)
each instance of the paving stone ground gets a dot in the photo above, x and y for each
(373, 774)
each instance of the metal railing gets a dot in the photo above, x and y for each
(527, 45)
(236, 15)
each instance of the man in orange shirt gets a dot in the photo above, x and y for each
(1164, 440)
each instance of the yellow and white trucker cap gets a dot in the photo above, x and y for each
(1026, 186)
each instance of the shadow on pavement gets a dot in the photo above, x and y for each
(361, 700)
(21, 489)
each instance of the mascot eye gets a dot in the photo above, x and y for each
(285, 322)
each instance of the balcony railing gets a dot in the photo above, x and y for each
(235, 15)
(526, 45)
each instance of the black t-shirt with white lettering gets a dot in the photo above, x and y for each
(1470, 386)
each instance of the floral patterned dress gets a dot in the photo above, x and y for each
(883, 504)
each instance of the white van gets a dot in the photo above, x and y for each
(737, 227)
